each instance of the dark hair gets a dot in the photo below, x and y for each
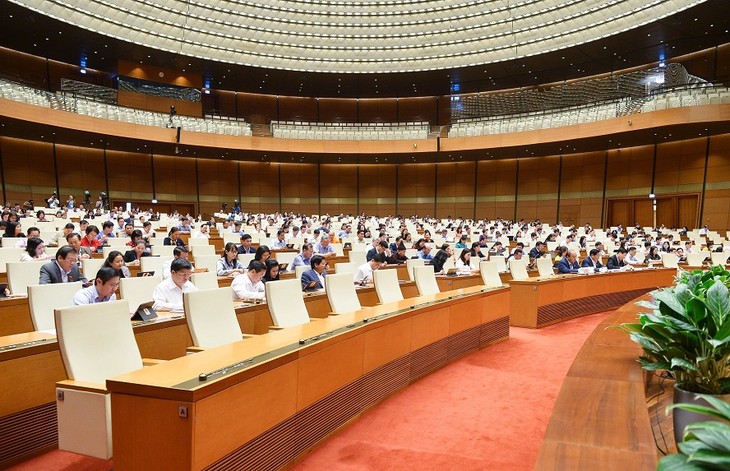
(146, 223)
(594, 252)
(180, 264)
(260, 252)
(172, 231)
(229, 246)
(105, 274)
(136, 234)
(69, 226)
(256, 266)
(31, 229)
(73, 234)
(10, 230)
(379, 258)
(622, 250)
(245, 236)
(316, 260)
(33, 244)
(107, 224)
(271, 263)
(439, 259)
(383, 244)
(307, 246)
(64, 252)
(91, 228)
(463, 254)
(110, 258)
(178, 250)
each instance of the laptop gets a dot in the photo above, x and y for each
(289, 246)
(452, 271)
(282, 266)
(146, 273)
(347, 245)
(3, 287)
(144, 312)
(311, 285)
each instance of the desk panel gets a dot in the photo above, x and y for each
(353, 366)
(537, 302)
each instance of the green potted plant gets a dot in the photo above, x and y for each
(687, 333)
(705, 445)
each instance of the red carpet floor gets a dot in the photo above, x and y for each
(487, 411)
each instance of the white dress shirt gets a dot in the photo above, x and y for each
(243, 288)
(167, 295)
(364, 274)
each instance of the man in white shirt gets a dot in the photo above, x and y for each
(168, 295)
(364, 273)
(631, 257)
(203, 232)
(324, 248)
(177, 252)
(248, 285)
(103, 289)
(280, 241)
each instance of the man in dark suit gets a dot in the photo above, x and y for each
(617, 262)
(537, 251)
(246, 246)
(64, 269)
(382, 247)
(593, 260)
(316, 275)
(569, 263)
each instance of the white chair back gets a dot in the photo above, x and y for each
(669, 260)
(301, 269)
(412, 263)
(207, 261)
(695, 259)
(43, 299)
(718, 258)
(153, 264)
(286, 257)
(90, 266)
(518, 269)
(192, 241)
(386, 285)
(9, 254)
(490, 274)
(341, 293)
(139, 290)
(286, 303)
(346, 267)
(426, 280)
(545, 267)
(358, 257)
(23, 274)
(110, 351)
(202, 250)
(501, 261)
(245, 258)
(163, 250)
(339, 249)
(205, 280)
(117, 243)
(211, 317)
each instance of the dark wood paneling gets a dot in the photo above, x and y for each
(258, 109)
(299, 188)
(496, 188)
(377, 189)
(217, 183)
(130, 175)
(259, 186)
(333, 110)
(29, 170)
(455, 196)
(80, 169)
(417, 109)
(338, 189)
(416, 189)
(297, 109)
(158, 74)
(375, 110)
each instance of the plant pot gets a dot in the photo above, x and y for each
(682, 418)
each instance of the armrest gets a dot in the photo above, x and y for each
(192, 350)
(275, 327)
(151, 361)
(82, 386)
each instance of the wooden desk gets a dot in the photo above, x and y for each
(537, 302)
(27, 404)
(447, 283)
(262, 416)
(600, 420)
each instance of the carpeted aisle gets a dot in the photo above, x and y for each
(487, 411)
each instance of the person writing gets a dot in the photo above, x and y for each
(228, 264)
(593, 260)
(569, 263)
(314, 279)
(64, 269)
(104, 288)
(364, 273)
(464, 263)
(168, 295)
(248, 285)
(617, 262)
(34, 250)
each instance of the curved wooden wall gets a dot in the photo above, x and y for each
(574, 188)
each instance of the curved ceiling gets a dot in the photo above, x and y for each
(358, 36)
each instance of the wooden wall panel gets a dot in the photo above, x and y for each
(377, 190)
(217, 183)
(717, 192)
(130, 175)
(175, 179)
(455, 195)
(297, 109)
(25, 68)
(299, 190)
(417, 109)
(538, 188)
(80, 169)
(416, 189)
(224, 103)
(28, 170)
(680, 166)
(496, 188)
(259, 187)
(376, 110)
(581, 189)
(338, 188)
(333, 110)
(258, 109)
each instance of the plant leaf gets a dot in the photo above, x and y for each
(677, 463)
(720, 459)
(681, 362)
(667, 298)
(718, 302)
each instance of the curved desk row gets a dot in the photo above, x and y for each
(600, 420)
(268, 399)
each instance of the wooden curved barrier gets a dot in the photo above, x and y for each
(600, 420)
